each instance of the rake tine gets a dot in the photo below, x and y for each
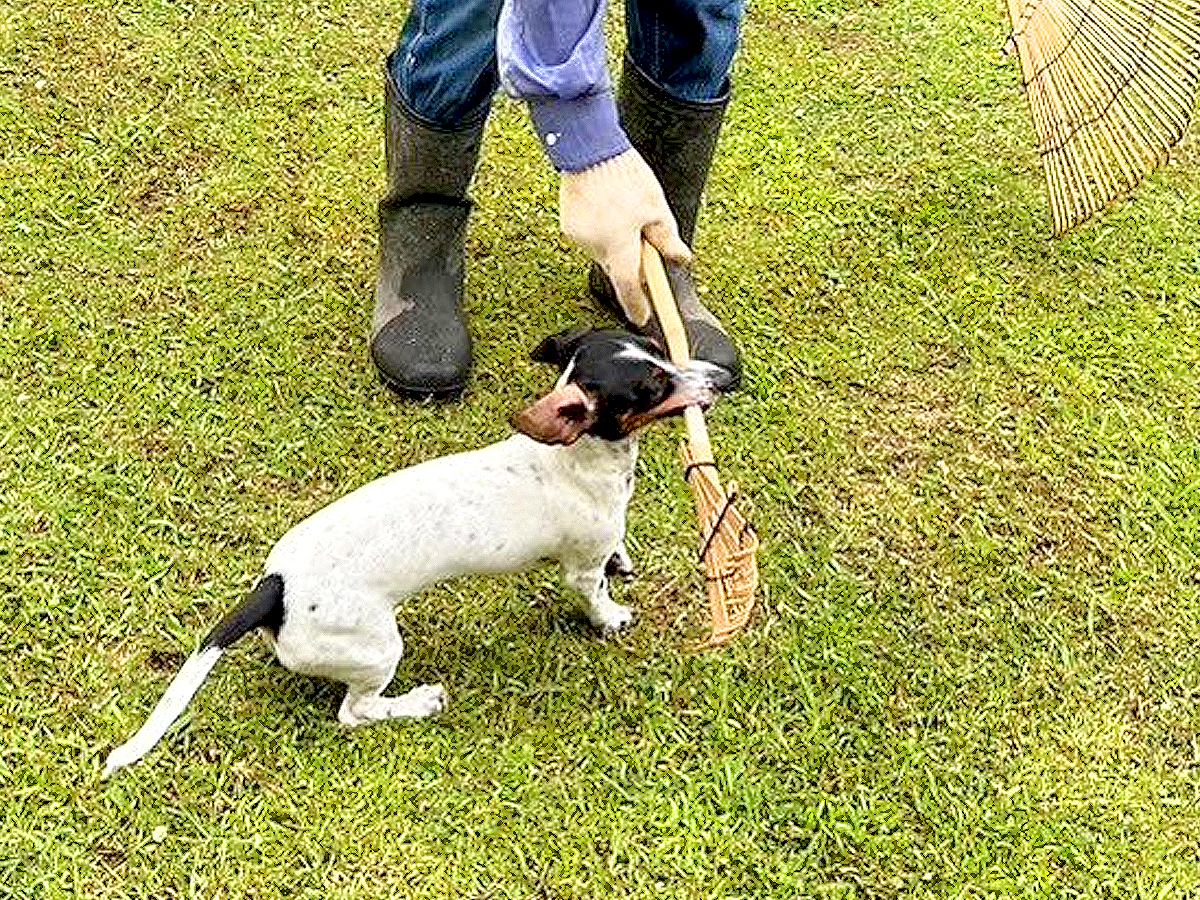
(1110, 86)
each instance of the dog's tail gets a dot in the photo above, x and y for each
(263, 609)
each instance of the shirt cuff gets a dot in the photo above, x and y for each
(578, 133)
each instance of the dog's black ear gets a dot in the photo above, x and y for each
(558, 349)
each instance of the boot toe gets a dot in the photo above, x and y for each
(712, 345)
(706, 340)
(418, 361)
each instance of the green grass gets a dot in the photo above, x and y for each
(972, 451)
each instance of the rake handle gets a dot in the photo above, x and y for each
(663, 301)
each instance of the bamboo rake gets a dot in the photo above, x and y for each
(729, 545)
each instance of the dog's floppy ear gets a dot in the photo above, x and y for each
(558, 349)
(561, 417)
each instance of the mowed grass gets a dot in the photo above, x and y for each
(971, 451)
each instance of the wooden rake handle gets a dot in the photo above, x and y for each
(663, 301)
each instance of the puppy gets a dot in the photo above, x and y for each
(557, 490)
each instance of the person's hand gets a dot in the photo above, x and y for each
(607, 210)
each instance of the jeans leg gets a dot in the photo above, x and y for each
(445, 62)
(686, 47)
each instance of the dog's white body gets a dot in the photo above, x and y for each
(346, 567)
(498, 509)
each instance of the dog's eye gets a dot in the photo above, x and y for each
(654, 387)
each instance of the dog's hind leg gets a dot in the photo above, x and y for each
(364, 658)
(366, 682)
(363, 704)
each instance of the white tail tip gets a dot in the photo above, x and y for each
(181, 689)
(117, 760)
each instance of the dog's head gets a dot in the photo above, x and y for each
(612, 384)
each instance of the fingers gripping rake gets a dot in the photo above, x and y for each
(728, 544)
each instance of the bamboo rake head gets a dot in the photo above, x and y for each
(728, 549)
(1111, 85)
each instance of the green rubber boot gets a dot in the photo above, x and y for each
(419, 338)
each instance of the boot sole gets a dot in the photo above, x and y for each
(410, 392)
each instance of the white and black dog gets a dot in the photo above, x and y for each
(558, 491)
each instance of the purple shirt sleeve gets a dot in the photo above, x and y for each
(551, 55)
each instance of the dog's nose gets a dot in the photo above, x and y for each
(698, 388)
(707, 397)
(709, 374)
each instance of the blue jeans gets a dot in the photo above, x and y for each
(445, 62)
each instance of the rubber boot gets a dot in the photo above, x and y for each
(677, 139)
(419, 338)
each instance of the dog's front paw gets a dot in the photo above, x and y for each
(612, 619)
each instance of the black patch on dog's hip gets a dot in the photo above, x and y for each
(262, 609)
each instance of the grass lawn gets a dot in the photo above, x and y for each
(972, 451)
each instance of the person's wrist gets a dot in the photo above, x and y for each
(615, 170)
(579, 133)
